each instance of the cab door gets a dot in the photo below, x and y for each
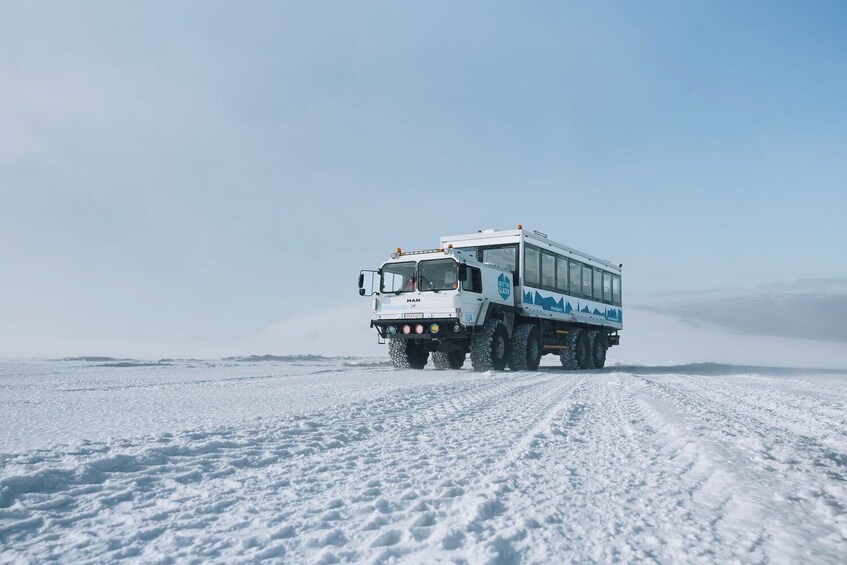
(471, 299)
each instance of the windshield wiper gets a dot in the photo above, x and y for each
(431, 285)
(404, 289)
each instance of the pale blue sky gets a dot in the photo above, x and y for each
(195, 170)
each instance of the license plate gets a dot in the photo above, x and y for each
(413, 315)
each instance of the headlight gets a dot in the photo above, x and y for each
(419, 329)
(434, 328)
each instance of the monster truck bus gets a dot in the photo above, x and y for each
(507, 297)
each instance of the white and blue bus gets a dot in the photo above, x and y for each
(567, 291)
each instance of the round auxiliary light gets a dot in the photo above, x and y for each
(407, 329)
(433, 328)
(419, 329)
(456, 327)
(392, 329)
(394, 255)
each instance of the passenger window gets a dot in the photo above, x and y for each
(607, 288)
(548, 270)
(472, 251)
(586, 281)
(575, 278)
(473, 280)
(532, 266)
(503, 257)
(598, 284)
(561, 274)
(616, 290)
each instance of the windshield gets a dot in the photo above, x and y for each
(440, 274)
(398, 277)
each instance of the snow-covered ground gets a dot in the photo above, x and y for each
(326, 460)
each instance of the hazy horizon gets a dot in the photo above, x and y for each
(187, 173)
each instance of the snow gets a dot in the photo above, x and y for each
(336, 459)
(694, 445)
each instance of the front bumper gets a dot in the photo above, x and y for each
(447, 328)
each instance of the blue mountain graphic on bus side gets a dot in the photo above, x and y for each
(614, 314)
(550, 304)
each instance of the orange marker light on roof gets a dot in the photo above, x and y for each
(520, 226)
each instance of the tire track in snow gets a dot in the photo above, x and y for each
(470, 534)
(625, 487)
(497, 467)
(791, 471)
(425, 483)
(278, 457)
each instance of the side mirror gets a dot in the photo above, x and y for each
(371, 278)
(463, 271)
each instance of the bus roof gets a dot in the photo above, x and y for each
(505, 237)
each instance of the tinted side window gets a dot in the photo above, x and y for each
(575, 278)
(473, 280)
(548, 270)
(607, 287)
(616, 290)
(598, 284)
(532, 266)
(504, 257)
(586, 281)
(561, 274)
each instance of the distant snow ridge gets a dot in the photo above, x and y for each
(806, 316)
(136, 364)
(284, 358)
(267, 358)
(92, 359)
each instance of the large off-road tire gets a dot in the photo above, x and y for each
(526, 348)
(566, 355)
(490, 347)
(583, 350)
(407, 354)
(452, 360)
(599, 345)
(577, 354)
